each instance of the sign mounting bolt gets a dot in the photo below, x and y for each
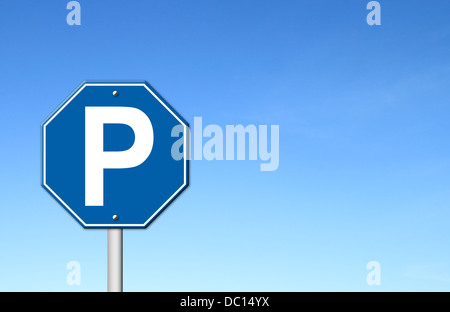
(115, 93)
(115, 217)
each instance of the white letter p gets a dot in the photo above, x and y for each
(97, 159)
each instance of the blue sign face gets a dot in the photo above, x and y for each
(114, 154)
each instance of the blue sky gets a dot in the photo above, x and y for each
(364, 160)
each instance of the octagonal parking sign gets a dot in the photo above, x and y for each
(108, 154)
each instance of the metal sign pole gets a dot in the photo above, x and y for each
(115, 258)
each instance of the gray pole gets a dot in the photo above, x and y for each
(115, 256)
